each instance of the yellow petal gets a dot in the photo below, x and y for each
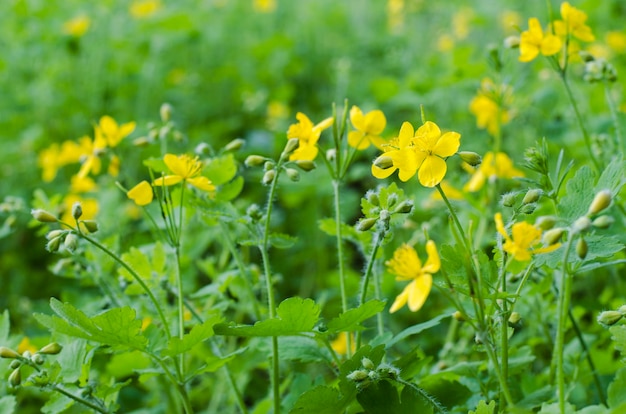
(175, 164)
(400, 301)
(448, 144)
(406, 134)
(433, 264)
(168, 180)
(432, 171)
(141, 194)
(476, 182)
(202, 183)
(357, 139)
(108, 125)
(382, 173)
(375, 122)
(356, 118)
(551, 45)
(325, 124)
(418, 291)
(304, 152)
(528, 51)
(500, 225)
(430, 132)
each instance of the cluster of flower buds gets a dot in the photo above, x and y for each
(270, 166)
(529, 201)
(597, 70)
(27, 358)
(161, 131)
(611, 317)
(69, 238)
(382, 213)
(369, 373)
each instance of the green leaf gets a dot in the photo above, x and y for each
(350, 320)
(138, 261)
(197, 335)
(619, 336)
(115, 327)
(617, 389)
(319, 400)
(156, 164)
(8, 404)
(229, 191)
(484, 408)
(304, 349)
(5, 326)
(447, 388)
(613, 177)
(579, 194)
(57, 403)
(71, 360)
(415, 329)
(380, 397)
(282, 241)
(295, 316)
(221, 170)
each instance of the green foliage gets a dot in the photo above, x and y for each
(350, 321)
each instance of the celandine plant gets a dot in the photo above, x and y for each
(473, 284)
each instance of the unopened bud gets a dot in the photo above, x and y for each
(404, 207)
(585, 56)
(508, 199)
(358, 375)
(202, 149)
(15, 364)
(90, 225)
(384, 215)
(268, 177)
(27, 354)
(383, 162)
(71, 242)
(77, 210)
(514, 318)
(471, 158)
(254, 160)
(15, 378)
(582, 248)
(141, 142)
(254, 212)
(609, 318)
(54, 234)
(459, 316)
(545, 222)
(367, 363)
(291, 146)
(305, 165)
(293, 174)
(528, 208)
(512, 42)
(601, 201)
(531, 196)
(603, 222)
(8, 353)
(372, 198)
(166, 112)
(331, 154)
(582, 224)
(366, 224)
(553, 236)
(269, 165)
(622, 310)
(52, 348)
(37, 359)
(54, 244)
(43, 216)
(235, 145)
(391, 200)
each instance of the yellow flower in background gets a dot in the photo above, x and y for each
(308, 135)
(277, 112)
(523, 237)
(395, 15)
(368, 128)
(54, 157)
(141, 9)
(445, 43)
(451, 192)
(141, 194)
(461, 22)
(112, 133)
(489, 106)
(422, 152)
(340, 344)
(90, 208)
(534, 41)
(77, 26)
(406, 265)
(82, 184)
(492, 167)
(184, 169)
(264, 6)
(616, 41)
(25, 345)
(573, 24)
(510, 20)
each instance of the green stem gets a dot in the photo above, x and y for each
(79, 399)
(565, 292)
(271, 304)
(618, 130)
(181, 310)
(184, 397)
(378, 237)
(342, 273)
(436, 404)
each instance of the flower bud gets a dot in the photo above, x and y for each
(53, 245)
(512, 42)
(585, 56)
(27, 354)
(331, 154)
(459, 316)
(583, 223)
(203, 149)
(77, 210)
(37, 359)
(254, 212)
(268, 177)
(609, 318)
(254, 160)
(293, 174)
(531, 196)
(383, 162)
(71, 242)
(52, 348)
(545, 222)
(15, 378)
(305, 165)
(514, 318)
(291, 146)
(166, 112)
(622, 310)
(553, 236)
(141, 142)
(366, 224)
(90, 225)
(603, 222)
(15, 364)
(235, 145)
(54, 234)
(8, 353)
(508, 199)
(471, 158)
(601, 201)
(367, 363)
(384, 215)
(372, 198)
(43, 216)
(528, 208)
(404, 207)
(358, 375)
(391, 200)
(582, 248)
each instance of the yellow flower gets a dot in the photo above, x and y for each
(533, 41)
(25, 345)
(264, 6)
(406, 265)
(82, 184)
(53, 158)
(77, 26)
(509, 20)
(498, 166)
(395, 15)
(423, 152)
(451, 192)
(112, 133)
(617, 41)
(489, 106)
(141, 194)
(340, 344)
(573, 24)
(368, 128)
(524, 237)
(308, 135)
(184, 169)
(141, 9)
